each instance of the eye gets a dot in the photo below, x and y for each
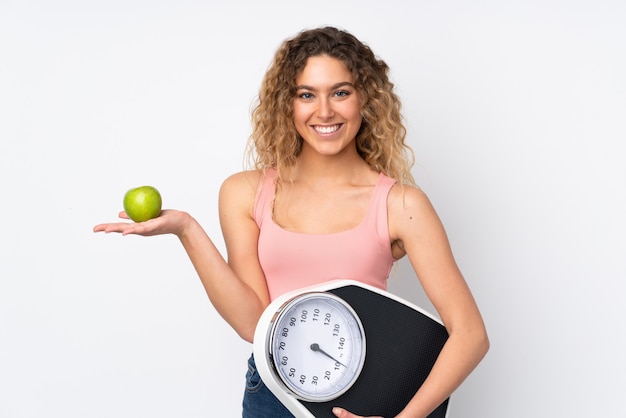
(305, 96)
(342, 93)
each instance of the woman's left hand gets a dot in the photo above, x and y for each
(342, 413)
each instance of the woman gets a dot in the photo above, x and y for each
(331, 188)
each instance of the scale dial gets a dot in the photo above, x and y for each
(317, 346)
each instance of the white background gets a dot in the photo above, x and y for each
(517, 114)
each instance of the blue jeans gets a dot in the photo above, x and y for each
(258, 400)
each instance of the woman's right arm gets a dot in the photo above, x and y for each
(236, 288)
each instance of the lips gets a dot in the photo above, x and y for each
(327, 129)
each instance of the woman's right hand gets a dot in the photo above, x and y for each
(168, 222)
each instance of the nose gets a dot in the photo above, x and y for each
(325, 108)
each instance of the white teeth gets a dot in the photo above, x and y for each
(327, 129)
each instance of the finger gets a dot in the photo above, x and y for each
(111, 227)
(103, 228)
(342, 413)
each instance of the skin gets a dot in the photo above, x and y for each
(330, 192)
(326, 108)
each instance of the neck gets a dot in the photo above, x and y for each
(331, 170)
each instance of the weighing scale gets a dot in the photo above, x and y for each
(348, 344)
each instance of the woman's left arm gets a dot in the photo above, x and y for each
(415, 229)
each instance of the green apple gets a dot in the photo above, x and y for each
(142, 203)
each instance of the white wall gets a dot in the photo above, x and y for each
(516, 113)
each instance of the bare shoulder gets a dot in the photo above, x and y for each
(238, 190)
(407, 200)
(410, 212)
(248, 179)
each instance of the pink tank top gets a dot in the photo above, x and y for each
(293, 260)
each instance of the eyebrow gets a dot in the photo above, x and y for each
(333, 87)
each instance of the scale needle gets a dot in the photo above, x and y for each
(316, 347)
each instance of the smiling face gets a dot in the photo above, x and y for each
(327, 107)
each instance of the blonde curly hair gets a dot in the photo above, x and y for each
(274, 141)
